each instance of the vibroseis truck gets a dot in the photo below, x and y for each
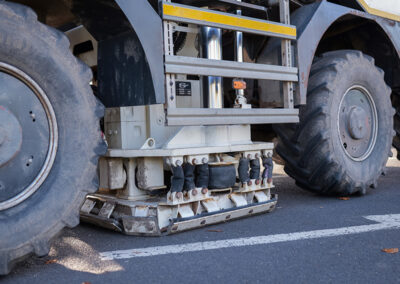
(152, 117)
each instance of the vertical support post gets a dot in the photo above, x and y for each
(240, 99)
(169, 78)
(239, 43)
(284, 10)
(130, 190)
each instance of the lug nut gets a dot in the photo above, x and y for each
(257, 181)
(204, 190)
(249, 183)
(194, 161)
(269, 180)
(194, 192)
(179, 195)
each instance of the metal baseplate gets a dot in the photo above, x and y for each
(156, 215)
(198, 176)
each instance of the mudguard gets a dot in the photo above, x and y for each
(148, 27)
(312, 21)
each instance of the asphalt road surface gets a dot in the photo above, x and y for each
(307, 239)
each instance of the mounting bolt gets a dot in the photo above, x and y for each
(179, 195)
(29, 162)
(204, 160)
(178, 163)
(194, 192)
(257, 182)
(204, 190)
(249, 183)
(194, 161)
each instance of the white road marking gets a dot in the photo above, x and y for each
(384, 222)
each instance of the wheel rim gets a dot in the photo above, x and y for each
(28, 136)
(358, 123)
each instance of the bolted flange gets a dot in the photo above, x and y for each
(28, 134)
(357, 123)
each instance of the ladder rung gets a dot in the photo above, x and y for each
(230, 69)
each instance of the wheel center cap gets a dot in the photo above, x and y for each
(357, 123)
(10, 136)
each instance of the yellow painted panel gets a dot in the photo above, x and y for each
(380, 12)
(211, 17)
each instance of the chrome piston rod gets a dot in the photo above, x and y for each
(240, 98)
(211, 48)
(239, 49)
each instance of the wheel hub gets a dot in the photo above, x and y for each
(28, 136)
(358, 123)
(10, 136)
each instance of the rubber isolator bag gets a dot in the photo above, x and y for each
(222, 176)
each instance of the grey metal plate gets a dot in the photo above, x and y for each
(231, 69)
(214, 218)
(188, 151)
(190, 116)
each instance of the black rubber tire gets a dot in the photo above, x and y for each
(43, 53)
(396, 140)
(312, 150)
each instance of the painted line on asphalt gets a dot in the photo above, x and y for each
(384, 222)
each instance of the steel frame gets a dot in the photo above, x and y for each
(174, 13)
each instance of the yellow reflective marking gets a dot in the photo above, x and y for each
(211, 17)
(379, 13)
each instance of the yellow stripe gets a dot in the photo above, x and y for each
(379, 13)
(211, 17)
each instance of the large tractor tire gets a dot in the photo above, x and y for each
(344, 138)
(396, 140)
(50, 138)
